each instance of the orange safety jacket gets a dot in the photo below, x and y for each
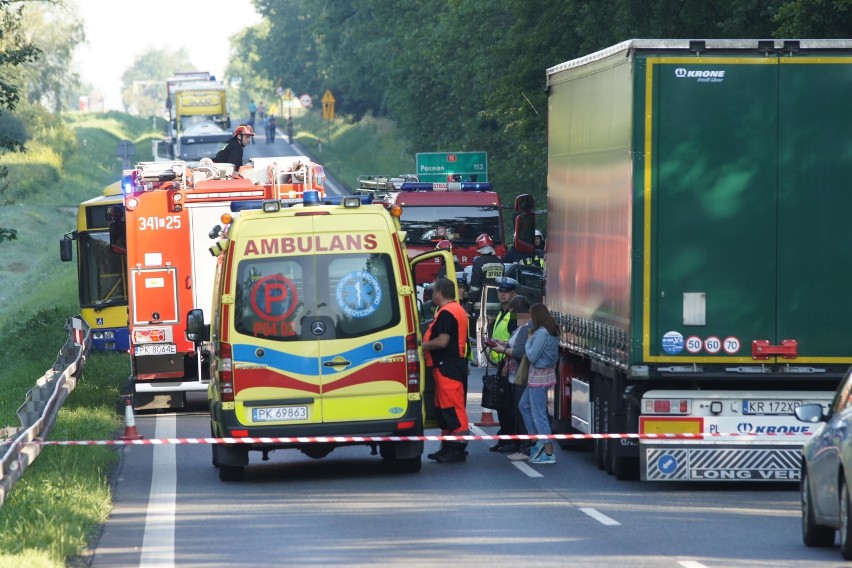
(460, 315)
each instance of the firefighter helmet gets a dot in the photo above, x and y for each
(483, 241)
(444, 245)
(244, 130)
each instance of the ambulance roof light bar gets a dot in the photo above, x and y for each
(447, 186)
(272, 205)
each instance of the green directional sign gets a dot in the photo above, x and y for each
(437, 166)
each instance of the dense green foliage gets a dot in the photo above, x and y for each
(469, 75)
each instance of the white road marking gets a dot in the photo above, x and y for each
(691, 564)
(521, 465)
(599, 517)
(158, 543)
(524, 467)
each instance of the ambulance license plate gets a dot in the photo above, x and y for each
(767, 407)
(279, 414)
(155, 349)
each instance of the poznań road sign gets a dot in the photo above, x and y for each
(436, 166)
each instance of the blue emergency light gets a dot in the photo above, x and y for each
(345, 200)
(448, 186)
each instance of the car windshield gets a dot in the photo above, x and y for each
(426, 225)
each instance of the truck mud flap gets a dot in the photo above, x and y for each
(720, 463)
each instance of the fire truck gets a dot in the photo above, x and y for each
(458, 211)
(166, 225)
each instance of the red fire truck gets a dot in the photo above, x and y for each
(167, 225)
(458, 211)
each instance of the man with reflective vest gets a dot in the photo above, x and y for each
(504, 323)
(445, 347)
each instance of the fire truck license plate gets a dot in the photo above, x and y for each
(155, 349)
(278, 414)
(770, 406)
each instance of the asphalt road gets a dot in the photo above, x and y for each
(348, 509)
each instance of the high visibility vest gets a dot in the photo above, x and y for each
(460, 315)
(501, 332)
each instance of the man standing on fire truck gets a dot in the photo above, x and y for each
(232, 153)
(445, 343)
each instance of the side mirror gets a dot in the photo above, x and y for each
(196, 331)
(524, 236)
(65, 249)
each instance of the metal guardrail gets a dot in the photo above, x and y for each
(21, 446)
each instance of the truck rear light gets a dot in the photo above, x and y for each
(407, 425)
(666, 406)
(226, 373)
(412, 360)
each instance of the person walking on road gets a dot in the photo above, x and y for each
(542, 350)
(252, 111)
(272, 125)
(445, 343)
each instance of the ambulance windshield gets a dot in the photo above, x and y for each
(309, 298)
(462, 224)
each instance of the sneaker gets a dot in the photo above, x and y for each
(537, 450)
(518, 456)
(544, 458)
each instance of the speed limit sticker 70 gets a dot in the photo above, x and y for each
(731, 345)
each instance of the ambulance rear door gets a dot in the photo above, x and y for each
(358, 321)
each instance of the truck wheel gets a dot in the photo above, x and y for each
(410, 465)
(231, 472)
(625, 469)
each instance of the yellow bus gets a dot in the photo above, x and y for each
(101, 272)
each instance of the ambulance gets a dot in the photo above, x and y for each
(314, 331)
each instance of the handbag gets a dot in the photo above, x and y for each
(523, 372)
(496, 392)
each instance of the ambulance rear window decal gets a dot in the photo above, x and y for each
(274, 297)
(359, 294)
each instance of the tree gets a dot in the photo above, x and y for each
(144, 83)
(51, 79)
(16, 49)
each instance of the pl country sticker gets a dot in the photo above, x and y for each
(672, 342)
(359, 294)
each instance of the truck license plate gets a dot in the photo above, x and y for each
(155, 349)
(770, 406)
(279, 414)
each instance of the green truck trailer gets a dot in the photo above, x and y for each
(698, 257)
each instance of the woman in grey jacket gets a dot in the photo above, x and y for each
(542, 350)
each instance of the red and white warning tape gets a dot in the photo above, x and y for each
(368, 439)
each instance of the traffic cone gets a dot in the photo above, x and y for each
(487, 419)
(130, 432)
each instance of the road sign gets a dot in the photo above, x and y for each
(328, 106)
(436, 166)
(306, 100)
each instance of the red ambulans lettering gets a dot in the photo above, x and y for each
(310, 243)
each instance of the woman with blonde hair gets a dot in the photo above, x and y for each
(542, 350)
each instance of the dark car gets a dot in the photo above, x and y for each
(827, 471)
